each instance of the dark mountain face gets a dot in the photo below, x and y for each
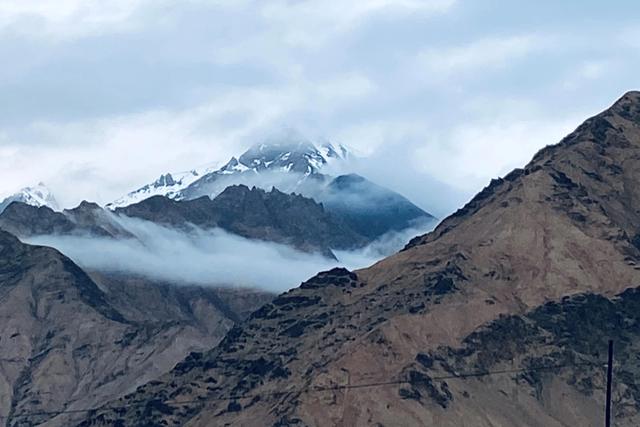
(92, 219)
(252, 213)
(162, 210)
(307, 222)
(369, 209)
(296, 167)
(256, 214)
(67, 343)
(26, 220)
(87, 219)
(542, 267)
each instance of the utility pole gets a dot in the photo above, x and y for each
(607, 421)
(344, 398)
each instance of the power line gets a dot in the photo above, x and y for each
(310, 389)
(609, 380)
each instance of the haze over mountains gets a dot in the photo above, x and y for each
(539, 270)
(167, 275)
(344, 220)
(281, 213)
(285, 163)
(295, 165)
(498, 317)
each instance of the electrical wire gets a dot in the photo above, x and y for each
(306, 390)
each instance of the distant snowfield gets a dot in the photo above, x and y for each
(213, 257)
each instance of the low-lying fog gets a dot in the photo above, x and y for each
(213, 257)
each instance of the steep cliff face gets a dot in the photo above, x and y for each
(67, 342)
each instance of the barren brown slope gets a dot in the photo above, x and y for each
(65, 343)
(526, 273)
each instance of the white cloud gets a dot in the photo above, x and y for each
(476, 56)
(369, 137)
(629, 36)
(123, 152)
(66, 18)
(309, 23)
(211, 257)
(592, 70)
(300, 23)
(470, 154)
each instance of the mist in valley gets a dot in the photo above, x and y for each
(213, 257)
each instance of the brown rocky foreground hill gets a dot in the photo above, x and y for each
(70, 341)
(530, 279)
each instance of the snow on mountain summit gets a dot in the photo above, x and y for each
(289, 156)
(169, 185)
(38, 195)
(301, 157)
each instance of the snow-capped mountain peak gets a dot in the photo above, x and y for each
(301, 157)
(38, 195)
(291, 155)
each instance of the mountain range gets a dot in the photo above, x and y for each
(255, 214)
(284, 163)
(295, 165)
(275, 191)
(499, 317)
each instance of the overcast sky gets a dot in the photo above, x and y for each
(101, 96)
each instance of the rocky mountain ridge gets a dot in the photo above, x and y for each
(541, 267)
(256, 214)
(89, 219)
